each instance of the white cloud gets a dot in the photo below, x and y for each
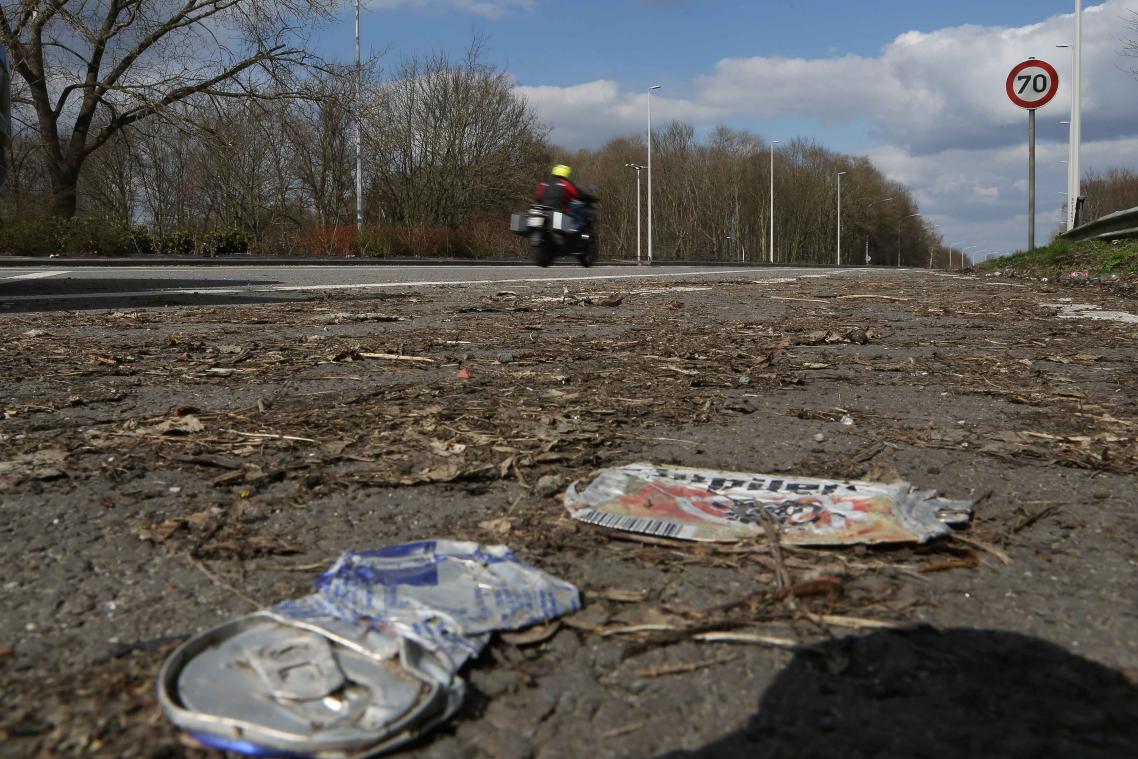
(932, 91)
(592, 112)
(934, 103)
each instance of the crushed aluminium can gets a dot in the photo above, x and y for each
(365, 664)
(706, 505)
(265, 685)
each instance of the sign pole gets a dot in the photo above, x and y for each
(1031, 85)
(1031, 179)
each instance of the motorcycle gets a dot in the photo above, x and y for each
(552, 233)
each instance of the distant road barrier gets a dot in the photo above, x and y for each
(1111, 227)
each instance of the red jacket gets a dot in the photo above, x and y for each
(556, 192)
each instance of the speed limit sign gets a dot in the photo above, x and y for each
(1032, 84)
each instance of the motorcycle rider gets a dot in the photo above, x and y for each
(559, 193)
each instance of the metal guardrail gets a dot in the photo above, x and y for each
(1118, 225)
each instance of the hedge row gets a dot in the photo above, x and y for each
(47, 236)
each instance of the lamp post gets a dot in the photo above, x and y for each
(1070, 214)
(934, 226)
(638, 168)
(773, 143)
(962, 250)
(840, 174)
(1074, 181)
(871, 205)
(899, 223)
(653, 87)
(359, 139)
(1070, 139)
(950, 247)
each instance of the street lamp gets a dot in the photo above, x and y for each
(1076, 135)
(899, 223)
(359, 139)
(653, 87)
(871, 205)
(773, 143)
(950, 247)
(840, 175)
(1070, 215)
(1070, 138)
(638, 168)
(934, 226)
(962, 250)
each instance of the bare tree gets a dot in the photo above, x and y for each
(712, 199)
(449, 139)
(92, 68)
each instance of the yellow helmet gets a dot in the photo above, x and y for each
(561, 170)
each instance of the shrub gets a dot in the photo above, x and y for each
(92, 236)
(225, 243)
(48, 235)
(141, 242)
(29, 236)
(176, 243)
(328, 240)
(472, 241)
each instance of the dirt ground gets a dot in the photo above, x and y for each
(162, 470)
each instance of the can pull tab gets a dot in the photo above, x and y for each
(300, 667)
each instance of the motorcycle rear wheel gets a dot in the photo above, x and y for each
(539, 251)
(589, 256)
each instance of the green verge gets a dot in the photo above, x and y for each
(1095, 257)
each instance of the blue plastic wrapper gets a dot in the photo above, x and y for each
(446, 595)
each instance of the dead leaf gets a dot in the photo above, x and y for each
(532, 635)
(462, 374)
(179, 425)
(881, 471)
(970, 560)
(445, 448)
(591, 619)
(499, 526)
(620, 595)
(199, 519)
(855, 335)
(161, 532)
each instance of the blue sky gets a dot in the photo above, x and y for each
(915, 85)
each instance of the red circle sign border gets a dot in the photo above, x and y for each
(1043, 100)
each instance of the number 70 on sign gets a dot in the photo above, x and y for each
(1032, 84)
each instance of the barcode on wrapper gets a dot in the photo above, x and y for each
(661, 528)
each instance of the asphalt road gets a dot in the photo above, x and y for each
(59, 288)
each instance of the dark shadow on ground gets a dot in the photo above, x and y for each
(83, 293)
(80, 285)
(922, 692)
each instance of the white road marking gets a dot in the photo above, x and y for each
(440, 283)
(1086, 311)
(34, 275)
